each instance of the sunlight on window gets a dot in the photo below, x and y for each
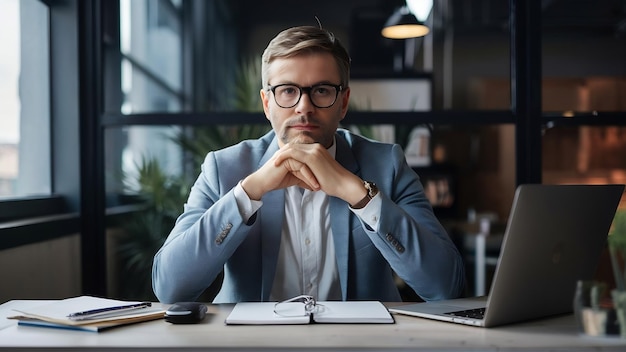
(151, 81)
(10, 107)
(9, 71)
(25, 98)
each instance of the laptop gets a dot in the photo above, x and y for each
(554, 237)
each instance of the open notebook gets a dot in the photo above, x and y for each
(554, 237)
(271, 313)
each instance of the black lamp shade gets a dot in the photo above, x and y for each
(403, 25)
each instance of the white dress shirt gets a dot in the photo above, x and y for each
(306, 259)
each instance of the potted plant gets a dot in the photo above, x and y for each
(163, 194)
(600, 310)
(161, 197)
(617, 248)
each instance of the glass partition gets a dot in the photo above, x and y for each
(200, 58)
(166, 152)
(584, 154)
(583, 55)
(151, 45)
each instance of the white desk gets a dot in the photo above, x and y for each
(408, 333)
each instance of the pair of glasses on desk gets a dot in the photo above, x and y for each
(292, 307)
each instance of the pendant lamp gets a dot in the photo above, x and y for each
(403, 25)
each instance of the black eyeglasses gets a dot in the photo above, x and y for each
(321, 95)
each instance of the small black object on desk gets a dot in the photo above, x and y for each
(185, 313)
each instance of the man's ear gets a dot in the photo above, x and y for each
(265, 99)
(345, 101)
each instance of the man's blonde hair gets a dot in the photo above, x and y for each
(304, 40)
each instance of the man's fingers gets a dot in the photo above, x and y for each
(306, 175)
(292, 151)
(302, 172)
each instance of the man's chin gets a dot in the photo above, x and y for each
(303, 138)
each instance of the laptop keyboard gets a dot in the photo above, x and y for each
(477, 313)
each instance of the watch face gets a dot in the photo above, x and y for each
(372, 190)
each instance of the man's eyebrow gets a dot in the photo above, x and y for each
(325, 82)
(282, 82)
(312, 85)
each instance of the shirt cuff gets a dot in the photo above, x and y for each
(370, 213)
(247, 207)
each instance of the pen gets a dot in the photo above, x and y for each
(89, 314)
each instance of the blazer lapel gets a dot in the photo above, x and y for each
(271, 228)
(340, 216)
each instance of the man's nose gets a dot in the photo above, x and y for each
(305, 104)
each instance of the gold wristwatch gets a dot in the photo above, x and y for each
(372, 190)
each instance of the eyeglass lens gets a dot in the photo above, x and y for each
(321, 95)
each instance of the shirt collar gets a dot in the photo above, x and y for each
(333, 148)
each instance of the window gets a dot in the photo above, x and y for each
(583, 93)
(151, 81)
(151, 46)
(25, 95)
(40, 153)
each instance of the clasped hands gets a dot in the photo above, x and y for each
(308, 166)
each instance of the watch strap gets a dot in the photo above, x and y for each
(372, 190)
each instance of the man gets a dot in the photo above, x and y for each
(308, 208)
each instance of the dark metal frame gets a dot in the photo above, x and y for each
(92, 190)
(526, 88)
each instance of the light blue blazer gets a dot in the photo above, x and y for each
(210, 234)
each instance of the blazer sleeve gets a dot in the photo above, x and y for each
(409, 236)
(205, 235)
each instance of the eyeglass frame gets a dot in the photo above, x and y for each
(310, 305)
(307, 90)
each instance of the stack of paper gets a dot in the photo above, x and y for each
(88, 313)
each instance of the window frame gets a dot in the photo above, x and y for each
(33, 219)
(77, 204)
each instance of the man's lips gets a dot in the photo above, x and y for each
(304, 127)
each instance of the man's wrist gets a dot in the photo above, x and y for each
(371, 191)
(246, 186)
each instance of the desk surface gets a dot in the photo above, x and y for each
(408, 333)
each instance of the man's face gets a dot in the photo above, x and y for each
(304, 122)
